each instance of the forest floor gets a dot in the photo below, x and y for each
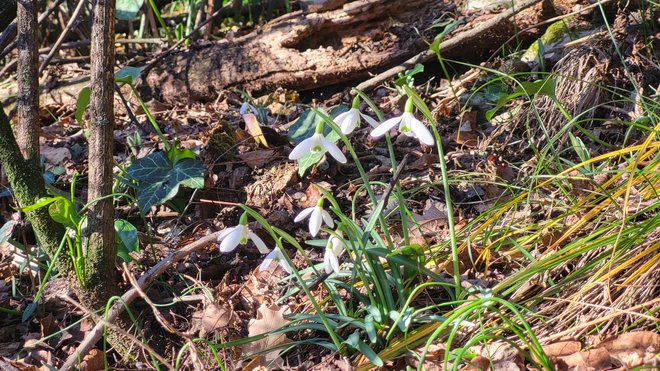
(555, 210)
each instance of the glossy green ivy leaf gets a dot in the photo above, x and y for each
(126, 238)
(127, 9)
(158, 180)
(127, 75)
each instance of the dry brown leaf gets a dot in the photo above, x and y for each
(213, 317)
(268, 319)
(93, 361)
(252, 127)
(55, 155)
(598, 359)
(634, 349)
(562, 348)
(258, 158)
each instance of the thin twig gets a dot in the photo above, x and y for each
(72, 21)
(96, 333)
(10, 32)
(103, 322)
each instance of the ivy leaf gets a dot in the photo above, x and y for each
(305, 126)
(127, 239)
(127, 9)
(127, 75)
(158, 180)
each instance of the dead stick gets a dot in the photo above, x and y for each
(114, 327)
(95, 334)
(10, 32)
(72, 21)
(452, 43)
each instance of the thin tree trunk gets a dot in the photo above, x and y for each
(28, 80)
(100, 247)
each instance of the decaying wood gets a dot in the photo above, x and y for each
(321, 49)
(301, 51)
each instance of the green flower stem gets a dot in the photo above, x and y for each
(421, 106)
(363, 174)
(278, 243)
(310, 296)
(153, 122)
(397, 191)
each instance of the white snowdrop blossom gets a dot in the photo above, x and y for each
(317, 215)
(276, 256)
(349, 120)
(231, 237)
(317, 143)
(333, 249)
(408, 125)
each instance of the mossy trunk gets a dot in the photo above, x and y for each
(28, 186)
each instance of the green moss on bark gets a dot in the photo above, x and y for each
(26, 179)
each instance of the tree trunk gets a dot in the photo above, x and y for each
(27, 182)
(99, 251)
(24, 169)
(28, 80)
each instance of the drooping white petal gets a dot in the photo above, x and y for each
(327, 218)
(267, 260)
(330, 261)
(283, 262)
(334, 150)
(337, 245)
(225, 233)
(373, 123)
(277, 256)
(315, 220)
(304, 214)
(385, 127)
(232, 240)
(347, 121)
(258, 242)
(302, 148)
(420, 131)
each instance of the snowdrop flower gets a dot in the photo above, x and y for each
(349, 120)
(231, 237)
(333, 250)
(408, 125)
(317, 143)
(316, 216)
(276, 256)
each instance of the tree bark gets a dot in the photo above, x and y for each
(100, 247)
(300, 51)
(27, 182)
(28, 83)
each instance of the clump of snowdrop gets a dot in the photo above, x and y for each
(231, 237)
(278, 257)
(317, 143)
(349, 120)
(408, 125)
(333, 250)
(317, 215)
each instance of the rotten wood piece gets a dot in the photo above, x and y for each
(301, 51)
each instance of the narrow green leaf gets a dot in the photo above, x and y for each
(82, 103)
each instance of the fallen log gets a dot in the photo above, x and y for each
(308, 51)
